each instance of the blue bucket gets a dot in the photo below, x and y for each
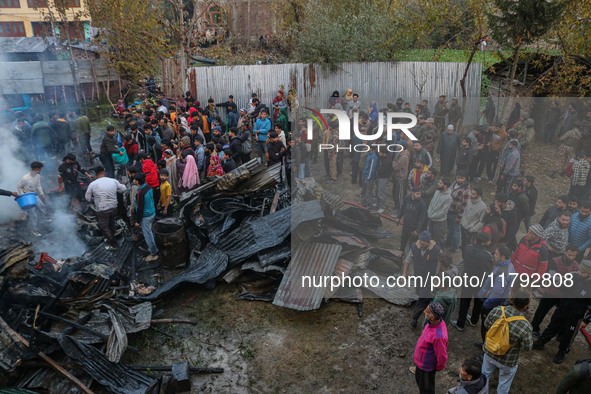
(27, 200)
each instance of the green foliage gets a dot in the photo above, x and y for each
(517, 22)
(348, 30)
(132, 36)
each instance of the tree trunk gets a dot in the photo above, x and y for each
(463, 83)
(514, 67)
(511, 77)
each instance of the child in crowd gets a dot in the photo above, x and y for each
(164, 205)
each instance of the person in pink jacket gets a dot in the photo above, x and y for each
(431, 350)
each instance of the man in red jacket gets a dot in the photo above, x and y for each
(531, 256)
(152, 177)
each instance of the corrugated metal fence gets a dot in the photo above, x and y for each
(380, 82)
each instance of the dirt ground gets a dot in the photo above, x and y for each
(265, 348)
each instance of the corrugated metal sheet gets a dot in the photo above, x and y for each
(25, 44)
(31, 77)
(21, 78)
(314, 260)
(380, 82)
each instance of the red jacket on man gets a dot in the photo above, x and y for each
(531, 258)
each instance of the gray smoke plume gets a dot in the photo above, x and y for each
(60, 238)
(12, 168)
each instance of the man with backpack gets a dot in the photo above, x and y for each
(508, 332)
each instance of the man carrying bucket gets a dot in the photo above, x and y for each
(31, 183)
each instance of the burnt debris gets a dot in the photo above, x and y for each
(64, 323)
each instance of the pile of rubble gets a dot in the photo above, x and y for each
(65, 323)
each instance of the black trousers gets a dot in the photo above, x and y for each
(405, 236)
(492, 160)
(245, 157)
(563, 326)
(466, 238)
(425, 380)
(106, 223)
(468, 294)
(543, 308)
(156, 194)
(483, 314)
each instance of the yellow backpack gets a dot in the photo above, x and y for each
(497, 338)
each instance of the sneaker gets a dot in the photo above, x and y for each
(469, 319)
(36, 233)
(538, 345)
(152, 257)
(455, 324)
(478, 345)
(381, 210)
(477, 179)
(559, 358)
(412, 370)
(110, 247)
(536, 334)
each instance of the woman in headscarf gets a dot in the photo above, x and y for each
(172, 173)
(120, 108)
(279, 99)
(334, 99)
(347, 97)
(215, 167)
(190, 177)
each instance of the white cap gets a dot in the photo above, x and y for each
(450, 127)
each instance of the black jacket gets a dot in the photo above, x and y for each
(229, 106)
(413, 213)
(532, 196)
(477, 260)
(5, 192)
(228, 165)
(276, 151)
(236, 147)
(108, 145)
(385, 165)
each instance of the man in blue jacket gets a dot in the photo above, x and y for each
(579, 228)
(261, 132)
(370, 174)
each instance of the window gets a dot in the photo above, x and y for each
(10, 4)
(37, 3)
(12, 29)
(73, 3)
(216, 17)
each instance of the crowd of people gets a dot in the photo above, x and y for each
(172, 147)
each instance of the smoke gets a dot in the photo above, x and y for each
(61, 239)
(12, 168)
(59, 235)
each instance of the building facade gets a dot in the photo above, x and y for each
(38, 18)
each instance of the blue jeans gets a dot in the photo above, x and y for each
(453, 231)
(148, 235)
(506, 374)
